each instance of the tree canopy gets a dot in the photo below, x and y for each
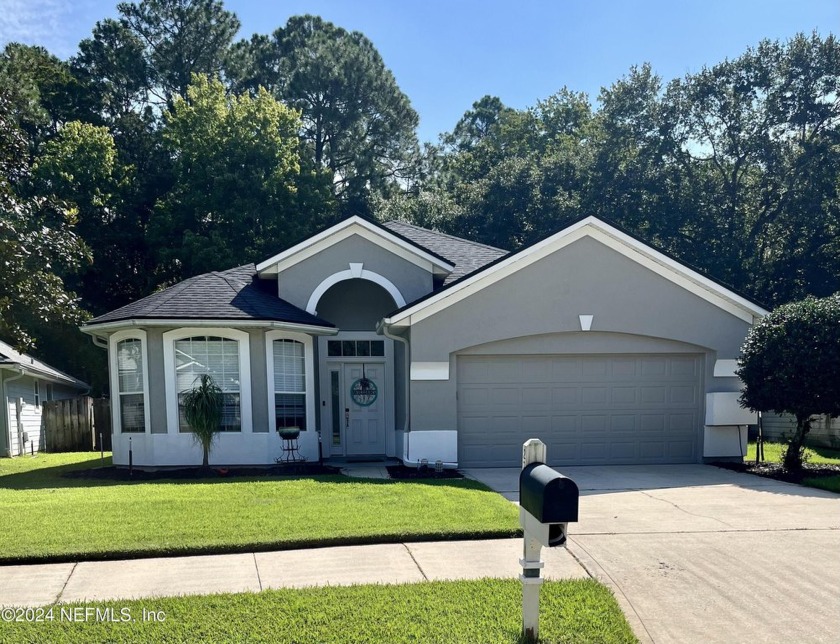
(166, 146)
(790, 363)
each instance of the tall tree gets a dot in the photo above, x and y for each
(357, 123)
(113, 65)
(180, 38)
(37, 244)
(237, 174)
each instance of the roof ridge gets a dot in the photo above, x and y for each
(447, 235)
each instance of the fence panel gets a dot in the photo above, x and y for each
(68, 425)
(102, 422)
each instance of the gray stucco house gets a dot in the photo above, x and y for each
(393, 340)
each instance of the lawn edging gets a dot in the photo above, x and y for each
(248, 548)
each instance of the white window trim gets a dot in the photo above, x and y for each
(309, 365)
(169, 339)
(114, 340)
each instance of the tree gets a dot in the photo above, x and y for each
(357, 123)
(180, 38)
(203, 412)
(37, 244)
(790, 363)
(239, 193)
(113, 65)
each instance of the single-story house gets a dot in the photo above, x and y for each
(27, 383)
(390, 340)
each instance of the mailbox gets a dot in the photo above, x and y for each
(548, 495)
(548, 501)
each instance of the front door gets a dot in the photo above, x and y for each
(364, 408)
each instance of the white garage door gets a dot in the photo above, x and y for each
(588, 409)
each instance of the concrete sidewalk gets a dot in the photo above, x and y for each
(38, 585)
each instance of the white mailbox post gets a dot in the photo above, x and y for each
(548, 501)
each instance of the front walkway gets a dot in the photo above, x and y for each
(695, 553)
(37, 585)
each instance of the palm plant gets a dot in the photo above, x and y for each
(203, 411)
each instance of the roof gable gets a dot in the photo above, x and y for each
(595, 228)
(375, 233)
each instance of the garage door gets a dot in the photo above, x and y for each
(588, 409)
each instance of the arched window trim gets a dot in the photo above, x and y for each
(309, 363)
(114, 340)
(169, 339)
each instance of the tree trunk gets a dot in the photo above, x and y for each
(793, 456)
(206, 461)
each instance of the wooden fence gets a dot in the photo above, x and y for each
(74, 425)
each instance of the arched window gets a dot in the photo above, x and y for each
(221, 353)
(219, 358)
(130, 381)
(290, 380)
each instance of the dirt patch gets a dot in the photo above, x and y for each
(776, 471)
(402, 472)
(197, 473)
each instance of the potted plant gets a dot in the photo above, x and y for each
(203, 411)
(288, 433)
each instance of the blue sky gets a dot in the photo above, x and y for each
(447, 54)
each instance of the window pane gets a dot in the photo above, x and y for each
(335, 401)
(348, 348)
(290, 410)
(217, 357)
(289, 367)
(334, 348)
(132, 416)
(363, 347)
(231, 420)
(377, 347)
(130, 366)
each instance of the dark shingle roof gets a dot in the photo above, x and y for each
(234, 294)
(33, 366)
(467, 256)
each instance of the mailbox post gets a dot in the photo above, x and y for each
(548, 501)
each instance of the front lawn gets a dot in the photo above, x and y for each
(773, 454)
(821, 466)
(47, 517)
(486, 611)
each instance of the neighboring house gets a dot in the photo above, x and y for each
(27, 384)
(392, 340)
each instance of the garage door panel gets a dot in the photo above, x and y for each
(587, 409)
(623, 395)
(624, 451)
(683, 395)
(657, 395)
(594, 396)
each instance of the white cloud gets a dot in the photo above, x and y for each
(39, 22)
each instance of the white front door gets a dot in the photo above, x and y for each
(364, 408)
(357, 418)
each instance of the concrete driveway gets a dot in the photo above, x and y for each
(695, 553)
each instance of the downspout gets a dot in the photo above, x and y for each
(7, 425)
(383, 329)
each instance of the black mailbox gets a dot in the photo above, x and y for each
(547, 495)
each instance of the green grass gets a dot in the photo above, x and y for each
(486, 611)
(773, 454)
(46, 517)
(830, 483)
